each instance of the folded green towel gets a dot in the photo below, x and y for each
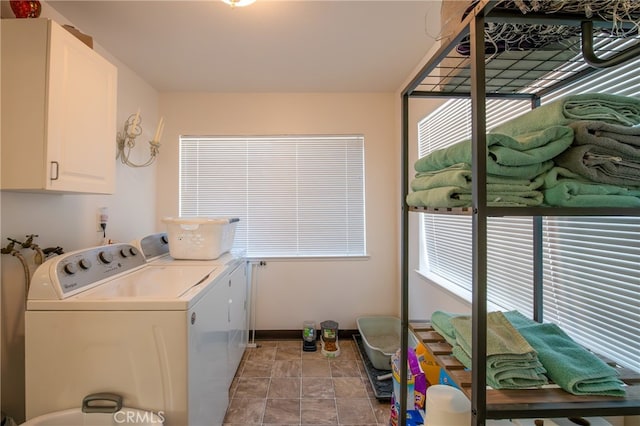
(518, 320)
(507, 199)
(441, 322)
(613, 109)
(511, 361)
(601, 165)
(562, 187)
(450, 197)
(452, 187)
(511, 375)
(625, 139)
(518, 376)
(525, 156)
(444, 197)
(529, 148)
(568, 364)
(460, 175)
(502, 337)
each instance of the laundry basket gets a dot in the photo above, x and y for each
(100, 409)
(200, 238)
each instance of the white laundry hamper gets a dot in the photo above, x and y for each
(100, 409)
(200, 238)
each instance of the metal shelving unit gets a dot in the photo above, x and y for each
(527, 74)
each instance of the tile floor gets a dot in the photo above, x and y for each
(278, 384)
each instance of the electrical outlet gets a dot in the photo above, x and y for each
(103, 219)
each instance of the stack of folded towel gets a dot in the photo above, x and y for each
(451, 187)
(601, 167)
(579, 151)
(606, 153)
(562, 187)
(522, 353)
(511, 362)
(604, 166)
(443, 177)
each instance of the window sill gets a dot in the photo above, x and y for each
(306, 258)
(453, 289)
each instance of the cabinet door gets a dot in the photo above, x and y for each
(24, 64)
(81, 111)
(238, 333)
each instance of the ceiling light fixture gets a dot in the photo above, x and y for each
(239, 3)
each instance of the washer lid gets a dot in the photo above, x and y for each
(149, 288)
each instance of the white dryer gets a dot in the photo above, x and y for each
(155, 249)
(103, 320)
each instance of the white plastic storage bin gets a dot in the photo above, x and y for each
(200, 238)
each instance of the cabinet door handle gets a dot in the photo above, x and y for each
(55, 167)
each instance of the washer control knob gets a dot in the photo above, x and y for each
(105, 257)
(70, 268)
(126, 252)
(84, 264)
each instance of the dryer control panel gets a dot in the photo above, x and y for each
(74, 272)
(154, 245)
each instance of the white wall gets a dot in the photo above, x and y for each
(425, 297)
(289, 292)
(71, 221)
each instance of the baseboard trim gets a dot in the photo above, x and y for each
(295, 334)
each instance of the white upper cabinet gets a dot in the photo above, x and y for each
(58, 111)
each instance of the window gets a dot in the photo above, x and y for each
(296, 196)
(591, 264)
(447, 249)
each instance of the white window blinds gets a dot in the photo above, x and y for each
(591, 265)
(294, 195)
(509, 262)
(592, 282)
(448, 238)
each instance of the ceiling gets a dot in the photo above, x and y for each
(270, 46)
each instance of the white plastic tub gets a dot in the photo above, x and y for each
(200, 238)
(99, 409)
(75, 417)
(381, 338)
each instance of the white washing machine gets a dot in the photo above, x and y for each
(155, 249)
(103, 320)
